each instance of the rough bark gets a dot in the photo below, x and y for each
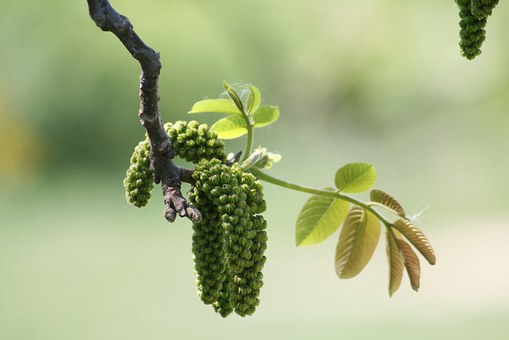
(161, 151)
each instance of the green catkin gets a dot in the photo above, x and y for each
(191, 141)
(237, 198)
(246, 287)
(211, 261)
(208, 250)
(138, 182)
(472, 33)
(474, 15)
(248, 282)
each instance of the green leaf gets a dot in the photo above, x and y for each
(357, 242)
(412, 264)
(417, 239)
(355, 177)
(387, 201)
(319, 218)
(265, 115)
(254, 100)
(215, 105)
(230, 127)
(234, 96)
(395, 259)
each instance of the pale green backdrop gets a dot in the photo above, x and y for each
(380, 81)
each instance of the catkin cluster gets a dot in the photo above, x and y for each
(230, 241)
(191, 141)
(473, 14)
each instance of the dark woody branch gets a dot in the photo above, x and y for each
(161, 155)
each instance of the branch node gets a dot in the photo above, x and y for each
(124, 25)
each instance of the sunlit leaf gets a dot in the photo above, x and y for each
(357, 242)
(387, 201)
(265, 115)
(215, 105)
(396, 261)
(417, 239)
(233, 96)
(319, 218)
(412, 264)
(355, 177)
(230, 127)
(254, 100)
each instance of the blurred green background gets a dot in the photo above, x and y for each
(379, 81)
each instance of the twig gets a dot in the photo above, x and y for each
(161, 151)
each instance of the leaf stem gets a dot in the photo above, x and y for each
(250, 138)
(322, 192)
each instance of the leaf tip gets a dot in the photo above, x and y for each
(298, 242)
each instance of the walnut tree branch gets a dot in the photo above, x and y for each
(161, 151)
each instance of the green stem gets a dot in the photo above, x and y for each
(250, 138)
(270, 179)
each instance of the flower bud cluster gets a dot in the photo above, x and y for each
(230, 201)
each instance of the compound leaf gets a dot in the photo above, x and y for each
(357, 242)
(319, 218)
(216, 106)
(265, 115)
(387, 201)
(412, 264)
(254, 100)
(230, 127)
(395, 259)
(355, 177)
(417, 239)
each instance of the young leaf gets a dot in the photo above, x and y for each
(254, 99)
(268, 159)
(357, 242)
(319, 218)
(387, 201)
(355, 177)
(234, 96)
(417, 239)
(215, 105)
(230, 127)
(395, 259)
(265, 115)
(412, 264)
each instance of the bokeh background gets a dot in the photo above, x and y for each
(379, 81)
